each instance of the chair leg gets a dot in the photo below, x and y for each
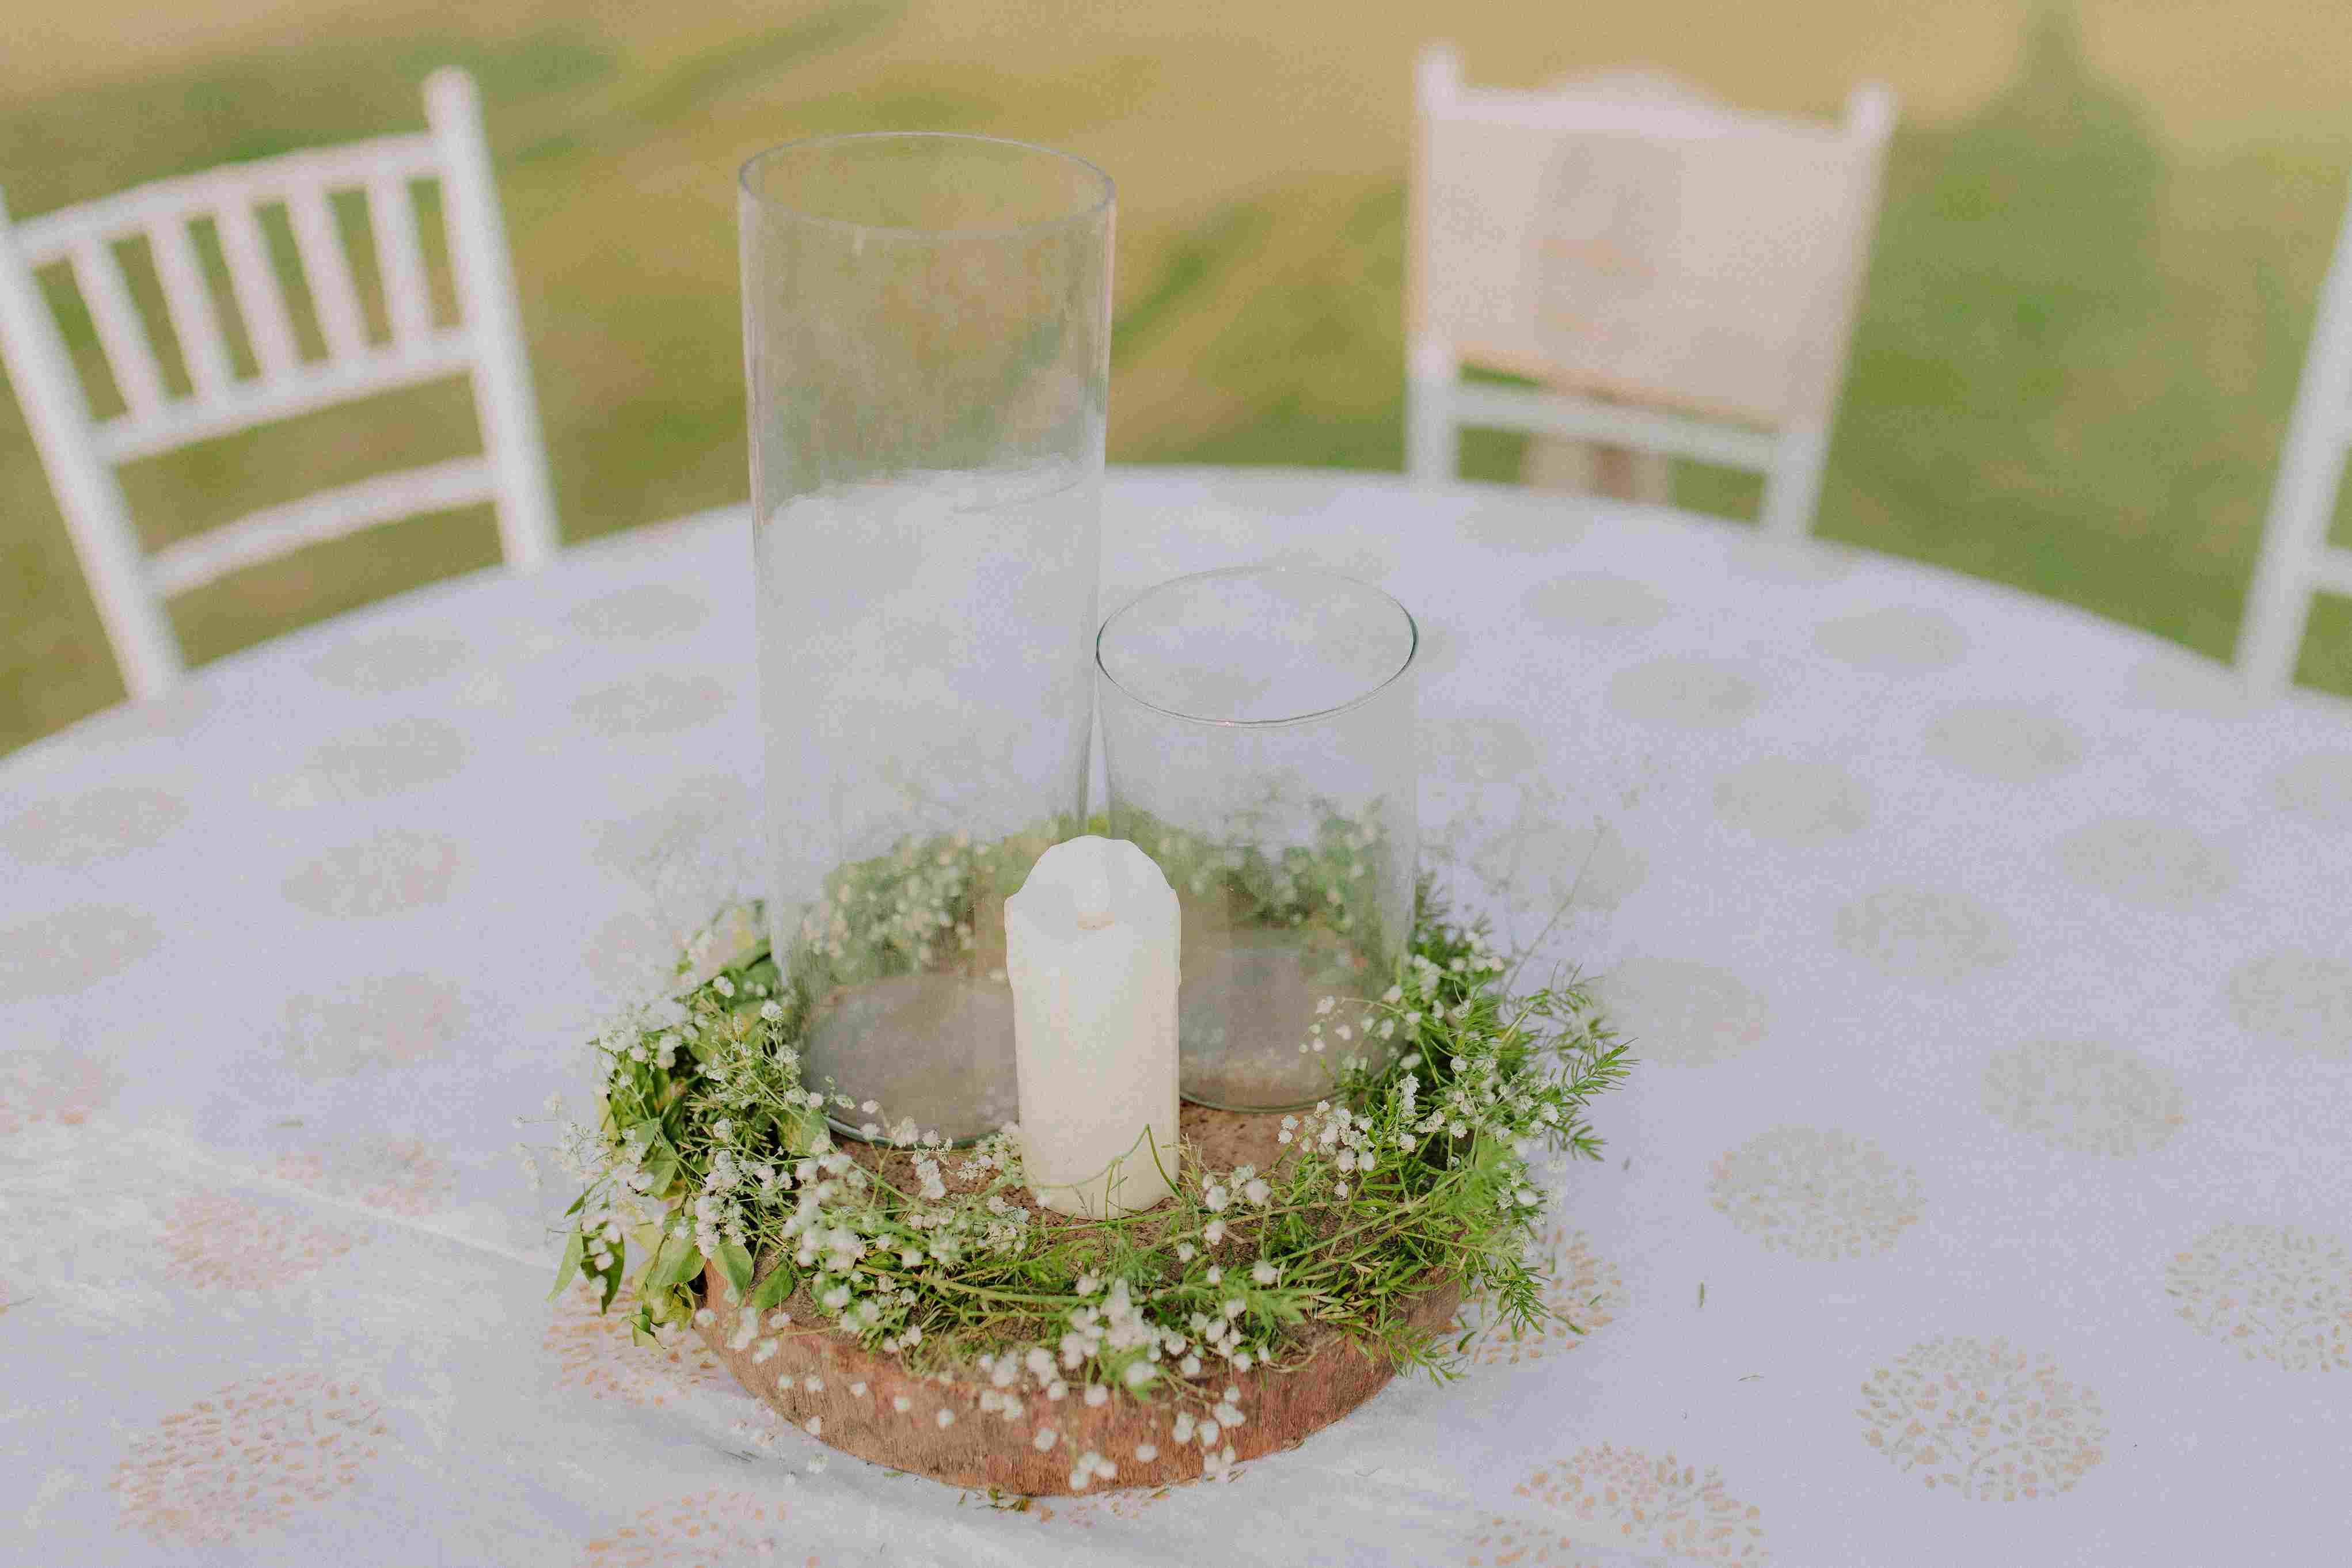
(1432, 446)
(1792, 488)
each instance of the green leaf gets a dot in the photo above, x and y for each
(572, 1251)
(678, 1261)
(736, 1264)
(613, 1275)
(661, 1164)
(780, 1283)
(799, 1131)
(578, 1203)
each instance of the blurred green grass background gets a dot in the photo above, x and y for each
(2095, 269)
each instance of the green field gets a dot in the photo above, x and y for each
(2093, 276)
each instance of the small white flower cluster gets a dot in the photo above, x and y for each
(1206, 1431)
(1323, 884)
(903, 906)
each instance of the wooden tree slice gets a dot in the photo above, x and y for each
(868, 1403)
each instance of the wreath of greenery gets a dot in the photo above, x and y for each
(709, 1145)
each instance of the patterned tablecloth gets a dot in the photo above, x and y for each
(1984, 1196)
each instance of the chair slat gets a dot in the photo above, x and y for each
(2333, 571)
(190, 301)
(48, 237)
(327, 514)
(391, 214)
(299, 390)
(328, 271)
(1549, 413)
(259, 299)
(128, 353)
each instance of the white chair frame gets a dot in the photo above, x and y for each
(1439, 404)
(2297, 563)
(79, 453)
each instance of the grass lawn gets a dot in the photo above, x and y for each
(2095, 271)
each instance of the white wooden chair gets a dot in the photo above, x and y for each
(80, 452)
(1692, 270)
(2297, 563)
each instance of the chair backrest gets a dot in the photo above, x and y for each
(1682, 275)
(80, 452)
(2297, 563)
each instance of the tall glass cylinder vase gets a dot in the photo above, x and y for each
(927, 326)
(1258, 735)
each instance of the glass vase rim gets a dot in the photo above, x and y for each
(1106, 196)
(1404, 666)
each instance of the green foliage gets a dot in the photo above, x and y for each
(709, 1145)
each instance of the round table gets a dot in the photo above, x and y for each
(1984, 1193)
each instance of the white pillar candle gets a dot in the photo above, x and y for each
(1091, 945)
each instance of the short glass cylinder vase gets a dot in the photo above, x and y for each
(1258, 739)
(927, 338)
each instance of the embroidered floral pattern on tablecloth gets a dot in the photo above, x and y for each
(1505, 1542)
(1922, 934)
(1584, 1296)
(652, 705)
(377, 1021)
(703, 1529)
(1987, 1420)
(1682, 1012)
(406, 1178)
(2082, 1095)
(395, 871)
(72, 950)
(2318, 788)
(2007, 742)
(592, 1350)
(406, 754)
(2300, 999)
(392, 661)
(2273, 1292)
(247, 1458)
(1816, 1192)
(2156, 865)
(98, 825)
(640, 610)
(51, 1088)
(1688, 694)
(216, 1241)
(1895, 642)
(1804, 804)
(1632, 1501)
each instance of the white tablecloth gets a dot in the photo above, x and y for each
(1984, 1195)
